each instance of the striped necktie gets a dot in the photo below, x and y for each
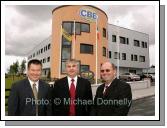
(36, 98)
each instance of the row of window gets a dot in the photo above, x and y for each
(40, 51)
(79, 27)
(88, 49)
(44, 60)
(133, 56)
(124, 40)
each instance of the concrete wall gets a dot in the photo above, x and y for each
(135, 85)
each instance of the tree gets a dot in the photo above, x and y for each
(23, 66)
(16, 67)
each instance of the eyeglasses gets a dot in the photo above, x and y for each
(107, 70)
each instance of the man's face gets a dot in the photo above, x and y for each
(71, 69)
(34, 72)
(107, 72)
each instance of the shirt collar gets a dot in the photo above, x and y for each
(69, 80)
(109, 83)
(31, 82)
(75, 78)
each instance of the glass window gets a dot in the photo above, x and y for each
(48, 46)
(66, 52)
(67, 27)
(41, 50)
(142, 58)
(123, 56)
(63, 67)
(48, 59)
(86, 48)
(77, 28)
(145, 44)
(116, 55)
(127, 40)
(104, 51)
(104, 32)
(136, 43)
(135, 58)
(85, 27)
(44, 60)
(65, 41)
(122, 40)
(142, 44)
(114, 38)
(131, 57)
(84, 68)
(110, 55)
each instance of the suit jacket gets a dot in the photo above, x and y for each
(116, 102)
(21, 99)
(61, 94)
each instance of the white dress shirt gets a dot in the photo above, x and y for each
(106, 87)
(31, 83)
(69, 81)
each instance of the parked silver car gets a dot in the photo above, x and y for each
(129, 77)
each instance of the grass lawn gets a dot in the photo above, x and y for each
(10, 80)
(8, 84)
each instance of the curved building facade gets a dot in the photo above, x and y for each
(81, 33)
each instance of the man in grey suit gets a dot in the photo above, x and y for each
(30, 96)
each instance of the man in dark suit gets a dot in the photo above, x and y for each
(30, 96)
(114, 97)
(72, 95)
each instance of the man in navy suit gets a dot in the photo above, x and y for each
(114, 97)
(72, 95)
(30, 96)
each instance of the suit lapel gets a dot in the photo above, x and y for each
(101, 90)
(66, 87)
(111, 88)
(78, 86)
(28, 88)
(40, 90)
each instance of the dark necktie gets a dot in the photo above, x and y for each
(105, 91)
(36, 98)
(72, 98)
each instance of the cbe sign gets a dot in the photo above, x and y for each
(88, 14)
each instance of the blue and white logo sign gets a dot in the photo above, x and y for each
(88, 14)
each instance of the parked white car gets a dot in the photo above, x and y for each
(129, 77)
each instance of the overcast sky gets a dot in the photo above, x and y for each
(27, 26)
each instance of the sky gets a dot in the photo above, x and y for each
(28, 25)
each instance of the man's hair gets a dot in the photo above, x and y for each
(113, 65)
(34, 61)
(71, 61)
